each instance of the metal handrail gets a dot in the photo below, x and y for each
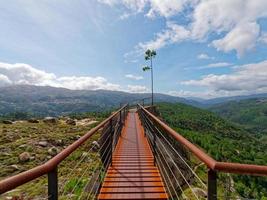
(29, 175)
(229, 167)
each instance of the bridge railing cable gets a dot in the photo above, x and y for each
(176, 158)
(85, 162)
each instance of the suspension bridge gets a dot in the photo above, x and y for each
(138, 156)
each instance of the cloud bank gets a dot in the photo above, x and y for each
(246, 79)
(24, 74)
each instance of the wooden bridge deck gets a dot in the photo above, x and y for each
(133, 174)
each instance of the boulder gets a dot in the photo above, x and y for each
(51, 120)
(7, 122)
(71, 122)
(24, 157)
(43, 143)
(53, 151)
(33, 120)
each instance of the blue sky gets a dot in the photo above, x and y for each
(205, 48)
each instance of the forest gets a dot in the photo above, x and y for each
(223, 140)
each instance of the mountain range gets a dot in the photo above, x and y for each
(50, 101)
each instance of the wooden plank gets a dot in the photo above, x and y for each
(133, 190)
(132, 184)
(151, 196)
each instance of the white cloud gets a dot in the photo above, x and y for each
(236, 18)
(242, 38)
(246, 79)
(164, 8)
(204, 56)
(137, 88)
(216, 65)
(173, 34)
(235, 22)
(134, 77)
(19, 73)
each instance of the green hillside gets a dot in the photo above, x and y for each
(252, 113)
(222, 140)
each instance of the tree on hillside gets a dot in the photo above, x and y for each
(149, 55)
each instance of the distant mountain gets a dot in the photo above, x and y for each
(210, 102)
(44, 101)
(251, 113)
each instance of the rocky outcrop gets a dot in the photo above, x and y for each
(33, 121)
(51, 120)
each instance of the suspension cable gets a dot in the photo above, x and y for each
(64, 181)
(88, 167)
(179, 170)
(202, 183)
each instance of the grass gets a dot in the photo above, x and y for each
(24, 137)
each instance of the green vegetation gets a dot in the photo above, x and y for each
(251, 114)
(222, 140)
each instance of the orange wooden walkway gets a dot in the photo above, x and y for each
(132, 174)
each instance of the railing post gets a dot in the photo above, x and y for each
(154, 146)
(111, 140)
(120, 118)
(53, 185)
(212, 185)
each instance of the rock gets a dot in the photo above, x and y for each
(53, 151)
(48, 157)
(51, 120)
(33, 121)
(71, 122)
(24, 157)
(32, 158)
(15, 167)
(7, 122)
(59, 142)
(23, 146)
(43, 143)
(96, 146)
